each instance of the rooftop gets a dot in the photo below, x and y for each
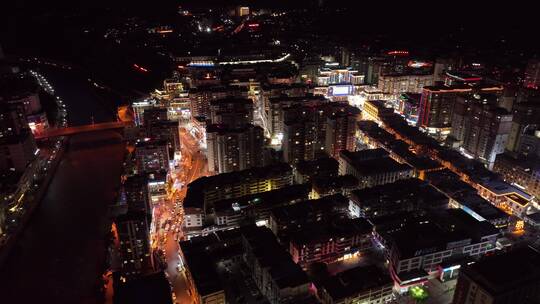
(321, 165)
(328, 206)
(326, 184)
(355, 281)
(264, 199)
(399, 192)
(317, 232)
(505, 272)
(376, 166)
(362, 155)
(434, 232)
(196, 189)
(271, 256)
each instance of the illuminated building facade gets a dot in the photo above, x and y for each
(139, 107)
(17, 145)
(394, 85)
(234, 149)
(242, 11)
(437, 104)
(168, 131)
(232, 112)
(408, 104)
(332, 73)
(330, 242)
(374, 110)
(201, 97)
(532, 74)
(205, 191)
(152, 155)
(522, 171)
(133, 230)
(507, 197)
(480, 127)
(418, 249)
(278, 108)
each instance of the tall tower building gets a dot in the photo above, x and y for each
(437, 104)
(340, 130)
(234, 148)
(134, 237)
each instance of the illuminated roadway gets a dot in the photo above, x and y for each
(168, 214)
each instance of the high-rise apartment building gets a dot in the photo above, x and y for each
(233, 149)
(133, 231)
(232, 112)
(480, 127)
(201, 97)
(311, 132)
(437, 103)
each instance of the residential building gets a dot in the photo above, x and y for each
(506, 278)
(152, 155)
(532, 74)
(133, 229)
(374, 171)
(329, 242)
(305, 171)
(374, 110)
(480, 127)
(416, 250)
(407, 195)
(521, 171)
(396, 84)
(276, 275)
(233, 149)
(362, 284)
(437, 103)
(231, 111)
(201, 97)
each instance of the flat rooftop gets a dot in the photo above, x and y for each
(507, 271)
(379, 165)
(264, 199)
(356, 281)
(322, 232)
(313, 167)
(196, 189)
(269, 254)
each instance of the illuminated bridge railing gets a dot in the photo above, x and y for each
(80, 129)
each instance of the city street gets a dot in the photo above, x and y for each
(168, 215)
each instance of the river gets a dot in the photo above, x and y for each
(62, 252)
